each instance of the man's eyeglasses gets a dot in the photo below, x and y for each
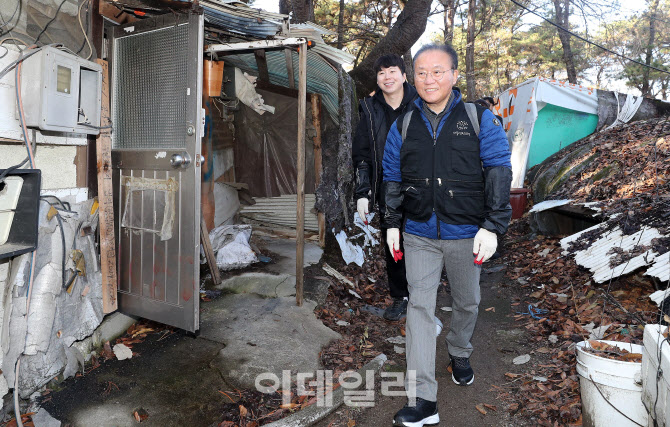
(436, 74)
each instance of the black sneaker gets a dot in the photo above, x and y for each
(461, 371)
(423, 414)
(396, 310)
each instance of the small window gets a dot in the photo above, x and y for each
(64, 80)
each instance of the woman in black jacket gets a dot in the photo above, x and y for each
(377, 113)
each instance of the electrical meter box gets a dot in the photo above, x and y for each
(61, 92)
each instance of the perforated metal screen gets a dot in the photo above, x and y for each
(150, 85)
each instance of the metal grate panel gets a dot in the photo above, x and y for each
(150, 89)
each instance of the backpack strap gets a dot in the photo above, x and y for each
(405, 124)
(471, 109)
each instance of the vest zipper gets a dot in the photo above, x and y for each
(437, 220)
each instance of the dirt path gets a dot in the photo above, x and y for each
(497, 341)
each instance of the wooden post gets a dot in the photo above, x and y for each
(315, 100)
(262, 64)
(209, 253)
(289, 68)
(105, 200)
(300, 220)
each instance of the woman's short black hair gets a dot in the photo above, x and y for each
(388, 61)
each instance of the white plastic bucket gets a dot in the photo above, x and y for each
(619, 382)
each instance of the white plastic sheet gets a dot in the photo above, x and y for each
(231, 245)
(350, 251)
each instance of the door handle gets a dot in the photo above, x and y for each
(180, 160)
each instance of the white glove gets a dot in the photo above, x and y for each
(393, 239)
(362, 209)
(485, 245)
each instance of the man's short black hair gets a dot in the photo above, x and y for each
(446, 48)
(388, 61)
(490, 100)
(484, 102)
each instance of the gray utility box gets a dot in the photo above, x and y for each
(61, 92)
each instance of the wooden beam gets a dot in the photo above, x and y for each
(315, 100)
(262, 64)
(289, 68)
(105, 200)
(300, 220)
(209, 253)
(96, 35)
(281, 90)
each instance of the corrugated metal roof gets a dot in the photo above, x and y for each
(549, 204)
(552, 204)
(321, 76)
(322, 60)
(599, 255)
(236, 17)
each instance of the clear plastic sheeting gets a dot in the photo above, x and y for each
(266, 150)
(142, 192)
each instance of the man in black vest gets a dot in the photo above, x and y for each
(451, 183)
(377, 112)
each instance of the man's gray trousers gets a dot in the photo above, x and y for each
(424, 261)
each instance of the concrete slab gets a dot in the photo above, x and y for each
(286, 249)
(262, 284)
(263, 335)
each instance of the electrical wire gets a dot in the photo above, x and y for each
(589, 41)
(49, 23)
(11, 17)
(19, 6)
(31, 157)
(90, 49)
(22, 57)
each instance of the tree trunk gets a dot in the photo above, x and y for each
(646, 86)
(449, 19)
(409, 66)
(470, 52)
(563, 19)
(340, 26)
(303, 10)
(409, 26)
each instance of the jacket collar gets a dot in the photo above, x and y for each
(456, 93)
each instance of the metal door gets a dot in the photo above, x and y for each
(156, 87)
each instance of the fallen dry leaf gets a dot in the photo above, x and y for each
(481, 409)
(243, 412)
(140, 414)
(493, 309)
(351, 423)
(289, 405)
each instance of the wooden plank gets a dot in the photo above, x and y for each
(209, 253)
(300, 223)
(262, 65)
(289, 68)
(80, 165)
(318, 167)
(105, 199)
